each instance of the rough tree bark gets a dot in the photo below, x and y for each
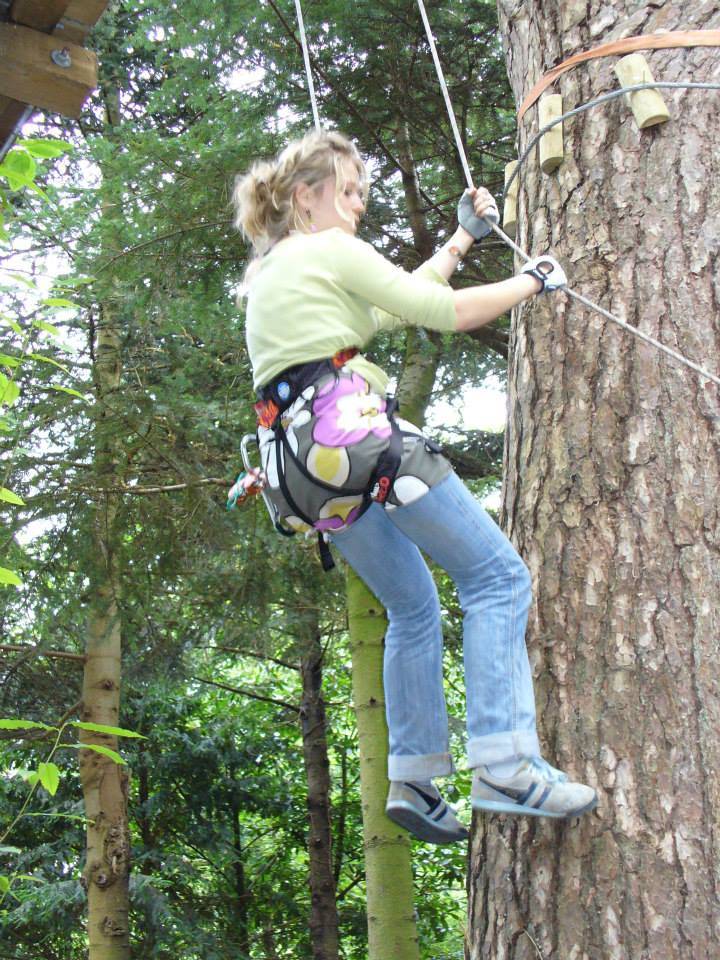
(323, 909)
(611, 495)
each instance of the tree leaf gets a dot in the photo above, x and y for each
(11, 323)
(55, 363)
(45, 148)
(4, 883)
(13, 724)
(7, 361)
(9, 497)
(9, 390)
(102, 728)
(9, 850)
(105, 751)
(59, 302)
(47, 327)
(26, 876)
(49, 775)
(73, 393)
(9, 576)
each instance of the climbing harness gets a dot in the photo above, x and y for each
(525, 256)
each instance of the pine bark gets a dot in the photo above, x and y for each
(323, 909)
(611, 496)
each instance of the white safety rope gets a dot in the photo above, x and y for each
(308, 71)
(520, 252)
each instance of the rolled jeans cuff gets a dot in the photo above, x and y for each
(420, 766)
(496, 747)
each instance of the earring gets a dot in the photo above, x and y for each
(308, 214)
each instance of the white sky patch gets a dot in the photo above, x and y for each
(243, 80)
(480, 408)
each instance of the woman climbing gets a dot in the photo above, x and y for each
(339, 461)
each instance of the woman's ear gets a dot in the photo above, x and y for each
(304, 196)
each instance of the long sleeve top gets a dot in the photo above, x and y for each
(315, 294)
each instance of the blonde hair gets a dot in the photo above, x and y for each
(264, 197)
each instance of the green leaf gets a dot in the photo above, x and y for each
(102, 728)
(11, 323)
(22, 279)
(73, 393)
(10, 577)
(49, 775)
(9, 390)
(27, 876)
(4, 883)
(105, 751)
(7, 361)
(47, 149)
(59, 302)
(55, 363)
(9, 850)
(24, 725)
(9, 497)
(47, 327)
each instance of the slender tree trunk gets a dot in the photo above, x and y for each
(392, 932)
(104, 782)
(612, 498)
(242, 893)
(323, 911)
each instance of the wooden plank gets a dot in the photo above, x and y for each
(80, 17)
(28, 74)
(12, 116)
(41, 15)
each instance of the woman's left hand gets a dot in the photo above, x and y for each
(476, 205)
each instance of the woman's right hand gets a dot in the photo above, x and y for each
(548, 271)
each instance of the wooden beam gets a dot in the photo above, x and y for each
(41, 15)
(12, 116)
(29, 74)
(79, 18)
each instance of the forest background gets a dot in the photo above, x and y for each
(223, 623)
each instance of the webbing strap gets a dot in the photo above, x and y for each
(646, 41)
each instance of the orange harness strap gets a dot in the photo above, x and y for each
(647, 41)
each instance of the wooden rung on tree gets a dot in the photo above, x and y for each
(647, 106)
(45, 71)
(510, 205)
(552, 152)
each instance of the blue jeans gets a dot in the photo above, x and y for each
(493, 585)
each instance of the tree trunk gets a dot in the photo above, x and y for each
(323, 910)
(611, 495)
(392, 933)
(104, 782)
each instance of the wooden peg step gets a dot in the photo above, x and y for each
(552, 152)
(648, 106)
(510, 205)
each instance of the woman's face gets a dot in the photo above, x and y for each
(344, 210)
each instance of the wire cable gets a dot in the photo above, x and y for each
(511, 243)
(308, 71)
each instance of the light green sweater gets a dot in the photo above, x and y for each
(315, 294)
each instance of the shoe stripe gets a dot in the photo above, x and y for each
(432, 802)
(505, 791)
(543, 798)
(522, 800)
(439, 816)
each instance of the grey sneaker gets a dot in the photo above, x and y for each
(536, 790)
(424, 813)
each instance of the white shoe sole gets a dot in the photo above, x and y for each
(515, 809)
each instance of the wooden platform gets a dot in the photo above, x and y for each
(42, 59)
